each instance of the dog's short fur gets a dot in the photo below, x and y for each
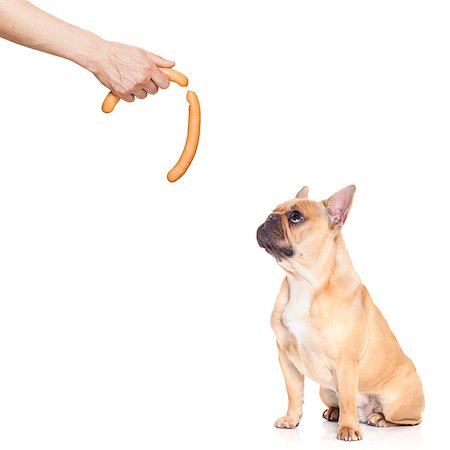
(327, 326)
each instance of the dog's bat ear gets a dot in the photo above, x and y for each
(339, 204)
(303, 192)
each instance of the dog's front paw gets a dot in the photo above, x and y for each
(287, 422)
(349, 433)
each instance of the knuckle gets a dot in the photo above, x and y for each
(150, 68)
(143, 79)
(124, 94)
(164, 84)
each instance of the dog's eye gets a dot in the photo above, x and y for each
(296, 217)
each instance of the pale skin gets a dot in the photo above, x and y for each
(127, 71)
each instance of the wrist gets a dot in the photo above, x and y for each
(89, 51)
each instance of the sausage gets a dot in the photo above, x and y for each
(175, 76)
(192, 138)
(110, 102)
(111, 99)
(193, 133)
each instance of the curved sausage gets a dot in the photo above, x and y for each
(175, 76)
(111, 99)
(192, 138)
(110, 102)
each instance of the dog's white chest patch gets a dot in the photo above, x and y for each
(297, 311)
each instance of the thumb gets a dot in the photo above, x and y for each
(162, 62)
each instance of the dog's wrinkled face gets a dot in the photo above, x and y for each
(299, 232)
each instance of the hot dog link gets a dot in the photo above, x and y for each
(192, 138)
(175, 76)
(110, 102)
(111, 99)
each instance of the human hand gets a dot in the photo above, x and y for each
(128, 71)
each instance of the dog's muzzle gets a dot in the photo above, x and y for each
(269, 235)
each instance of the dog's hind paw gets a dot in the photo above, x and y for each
(377, 419)
(331, 414)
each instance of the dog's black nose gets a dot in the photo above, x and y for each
(274, 216)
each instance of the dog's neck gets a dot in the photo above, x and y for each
(332, 269)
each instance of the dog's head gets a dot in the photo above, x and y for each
(300, 232)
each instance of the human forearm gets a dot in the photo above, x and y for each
(25, 24)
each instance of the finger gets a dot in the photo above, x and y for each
(150, 87)
(161, 79)
(127, 97)
(160, 61)
(141, 94)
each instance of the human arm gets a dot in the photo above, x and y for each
(126, 70)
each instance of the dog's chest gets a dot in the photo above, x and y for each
(309, 354)
(296, 314)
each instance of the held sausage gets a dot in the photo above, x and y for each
(175, 76)
(110, 102)
(192, 138)
(111, 99)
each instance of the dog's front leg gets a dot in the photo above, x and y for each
(294, 385)
(347, 384)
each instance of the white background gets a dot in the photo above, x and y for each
(135, 312)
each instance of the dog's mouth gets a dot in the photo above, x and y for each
(276, 250)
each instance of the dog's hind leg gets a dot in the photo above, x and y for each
(402, 402)
(396, 414)
(330, 399)
(377, 419)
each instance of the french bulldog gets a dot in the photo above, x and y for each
(327, 326)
